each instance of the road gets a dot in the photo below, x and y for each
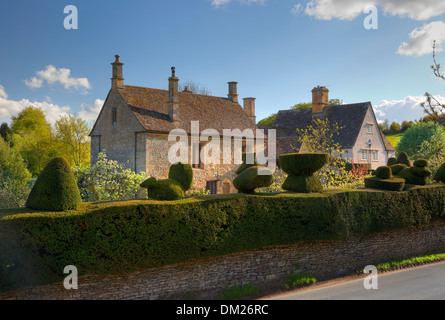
(421, 283)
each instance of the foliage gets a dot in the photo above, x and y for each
(396, 168)
(12, 165)
(12, 193)
(183, 173)
(440, 174)
(239, 292)
(303, 163)
(196, 192)
(252, 178)
(395, 127)
(391, 184)
(298, 279)
(402, 263)
(71, 132)
(391, 161)
(167, 189)
(249, 160)
(268, 121)
(303, 184)
(5, 131)
(403, 159)
(419, 134)
(108, 180)
(133, 235)
(320, 137)
(55, 189)
(279, 176)
(384, 172)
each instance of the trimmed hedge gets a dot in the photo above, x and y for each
(167, 189)
(55, 189)
(396, 168)
(440, 174)
(183, 173)
(403, 159)
(246, 165)
(391, 161)
(391, 184)
(384, 172)
(126, 236)
(303, 184)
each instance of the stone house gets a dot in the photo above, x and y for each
(134, 123)
(360, 137)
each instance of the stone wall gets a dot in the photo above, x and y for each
(323, 259)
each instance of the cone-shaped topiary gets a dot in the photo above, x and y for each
(403, 159)
(55, 189)
(251, 179)
(440, 174)
(183, 173)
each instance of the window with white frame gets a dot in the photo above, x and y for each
(375, 156)
(370, 128)
(365, 155)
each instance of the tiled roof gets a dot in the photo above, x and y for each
(150, 106)
(349, 118)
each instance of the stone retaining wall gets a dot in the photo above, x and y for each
(323, 259)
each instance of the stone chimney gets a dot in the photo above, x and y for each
(320, 99)
(233, 94)
(117, 81)
(249, 108)
(173, 101)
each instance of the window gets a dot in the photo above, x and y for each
(365, 155)
(211, 186)
(196, 152)
(370, 128)
(113, 117)
(375, 156)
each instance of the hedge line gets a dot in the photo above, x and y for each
(126, 236)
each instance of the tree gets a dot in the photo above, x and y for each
(71, 132)
(268, 121)
(5, 131)
(406, 125)
(414, 137)
(195, 88)
(32, 137)
(304, 105)
(432, 106)
(395, 127)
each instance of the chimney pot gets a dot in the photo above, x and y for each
(173, 101)
(320, 99)
(249, 108)
(233, 91)
(117, 81)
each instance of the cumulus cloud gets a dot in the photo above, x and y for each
(421, 39)
(350, 9)
(219, 3)
(91, 111)
(408, 109)
(52, 75)
(3, 93)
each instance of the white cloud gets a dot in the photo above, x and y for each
(350, 9)
(3, 93)
(421, 39)
(91, 111)
(296, 9)
(52, 75)
(219, 3)
(408, 109)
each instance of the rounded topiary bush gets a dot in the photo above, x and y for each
(420, 163)
(396, 168)
(183, 173)
(167, 189)
(404, 159)
(251, 157)
(250, 179)
(440, 174)
(384, 172)
(303, 184)
(305, 164)
(55, 189)
(391, 161)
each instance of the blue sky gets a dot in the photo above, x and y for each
(277, 51)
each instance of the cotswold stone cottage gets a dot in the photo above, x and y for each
(134, 123)
(360, 137)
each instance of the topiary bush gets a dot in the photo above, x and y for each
(393, 184)
(250, 179)
(440, 174)
(183, 173)
(396, 168)
(384, 172)
(167, 189)
(391, 161)
(415, 175)
(55, 189)
(404, 159)
(420, 163)
(251, 157)
(301, 168)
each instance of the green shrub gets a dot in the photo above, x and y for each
(247, 157)
(391, 161)
(404, 159)
(167, 189)
(249, 179)
(183, 173)
(420, 163)
(303, 184)
(384, 172)
(420, 171)
(55, 189)
(413, 176)
(118, 237)
(440, 174)
(396, 168)
(303, 163)
(393, 184)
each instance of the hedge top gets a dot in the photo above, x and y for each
(305, 164)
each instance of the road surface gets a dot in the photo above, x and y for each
(421, 283)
